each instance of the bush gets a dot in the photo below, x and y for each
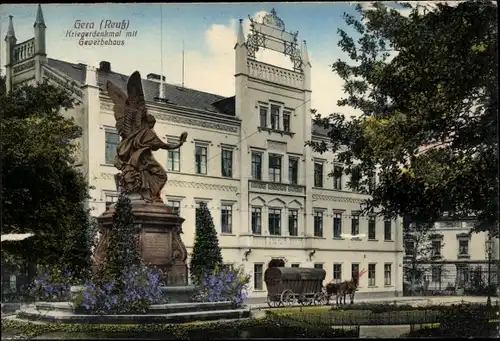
(491, 331)
(464, 319)
(51, 284)
(137, 289)
(206, 251)
(225, 285)
(122, 251)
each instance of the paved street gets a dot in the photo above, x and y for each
(259, 303)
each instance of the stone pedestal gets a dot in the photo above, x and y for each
(160, 243)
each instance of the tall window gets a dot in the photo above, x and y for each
(318, 266)
(371, 275)
(110, 200)
(256, 220)
(286, 120)
(355, 225)
(337, 273)
(409, 248)
(275, 117)
(371, 228)
(355, 178)
(263, 117)
(274, 222)
(227, 163)
(387, 274)
(201, 159)
(198, 203)
(355, 271)
(318, 174)
(173, 158)
(387, 229)
(436, 273)
(293, 225)
(112, 141)
(436, 248)
(337, 177)
(227, 219)
(258, 271)
(318, 224)
(337, 225)
(274, 168)
(176, 206)
(371, 182)
(463, 247)
(293, 170)
(256, 166)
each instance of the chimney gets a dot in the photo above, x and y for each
(105, 66)
(154, 77)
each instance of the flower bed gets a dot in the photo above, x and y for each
(137, 287)
(224, 285)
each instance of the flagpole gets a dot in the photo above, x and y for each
(161, 95)
(183, 63)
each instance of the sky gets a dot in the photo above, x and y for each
(207, 32)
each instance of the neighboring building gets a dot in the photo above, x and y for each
(269, 194)
(456, 261)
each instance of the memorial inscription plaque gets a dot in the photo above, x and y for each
(157, 246)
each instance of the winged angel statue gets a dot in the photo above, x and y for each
(140, 172)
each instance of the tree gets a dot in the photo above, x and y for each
(419, 254)
(3, 86)
(122, 251)
(430, 112)
(207, 255)
(41, 191)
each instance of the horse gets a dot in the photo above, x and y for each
(342, 290)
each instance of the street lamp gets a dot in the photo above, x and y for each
(489, 250)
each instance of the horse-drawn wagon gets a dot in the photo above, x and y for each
(286, 286)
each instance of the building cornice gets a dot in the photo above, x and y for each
(186, 117)
(62, 80)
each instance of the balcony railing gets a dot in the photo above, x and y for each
(276, 187)
(275, 74)
(24, 50)
(282, 242)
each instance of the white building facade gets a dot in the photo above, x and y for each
(458, 261)
(269, 194)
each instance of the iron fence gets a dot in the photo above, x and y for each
(451, 278)
(15, 284)
(369, 318)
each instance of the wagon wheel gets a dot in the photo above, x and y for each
(272, 302)
(303, 300)
(319, 298)
(287, 298)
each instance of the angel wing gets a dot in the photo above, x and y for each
(135, 105)
(129, 108)
(119, 98)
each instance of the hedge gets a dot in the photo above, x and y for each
(469, 320)
(249, 328)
